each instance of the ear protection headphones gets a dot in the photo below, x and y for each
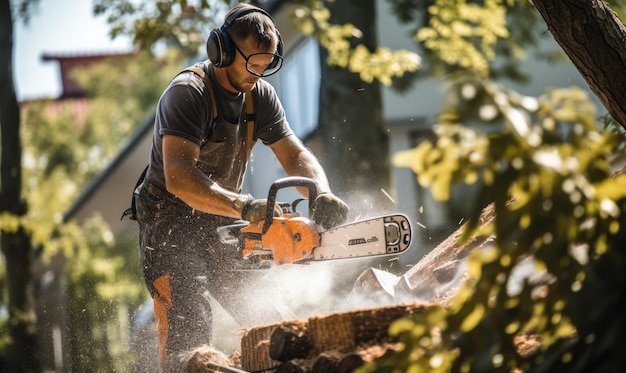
(219, 44)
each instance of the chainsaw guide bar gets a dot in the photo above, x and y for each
(389, 234)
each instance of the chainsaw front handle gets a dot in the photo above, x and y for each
(288, 182)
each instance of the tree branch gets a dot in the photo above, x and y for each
(592, 36)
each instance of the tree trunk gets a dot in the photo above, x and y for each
(16, 245)
(351, 122)
(593, 37)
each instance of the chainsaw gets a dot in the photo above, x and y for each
(295, 238)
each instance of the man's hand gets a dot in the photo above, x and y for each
(254, 210)
(330, 211)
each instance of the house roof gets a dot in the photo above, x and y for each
(122, 164)
(68, 62)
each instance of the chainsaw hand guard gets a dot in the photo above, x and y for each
(256, 210)
(330, 211)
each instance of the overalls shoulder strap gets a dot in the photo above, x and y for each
(198, 71)
(250, 115)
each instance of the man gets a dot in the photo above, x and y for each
(193, 183)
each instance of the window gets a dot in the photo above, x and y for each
(298, 86)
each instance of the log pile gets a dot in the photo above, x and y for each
(338, 342)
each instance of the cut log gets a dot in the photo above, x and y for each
(425, 279)
(350, 362)
(287, 343)
(327, 362)
(255, 345)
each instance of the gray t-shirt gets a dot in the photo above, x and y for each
(185, 110)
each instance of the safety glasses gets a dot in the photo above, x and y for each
(261, 64)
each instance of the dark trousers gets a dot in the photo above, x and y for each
(183, 263)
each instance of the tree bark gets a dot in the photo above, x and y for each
(16, 245)
(351, 122)
(593, 37)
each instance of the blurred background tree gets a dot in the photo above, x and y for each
(57, 156)
(15, 241)
(62, 157)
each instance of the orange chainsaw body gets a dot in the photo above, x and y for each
(288, 239)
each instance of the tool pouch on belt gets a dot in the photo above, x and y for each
(131, 212)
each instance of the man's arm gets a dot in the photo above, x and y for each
(184, 180)
(297, 160)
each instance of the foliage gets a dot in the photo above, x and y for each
(313, 18)
(619, 6)
(179, 22)
(103, 288)
(492, 37)
(548, 173)
(549, 176)
(465, 33)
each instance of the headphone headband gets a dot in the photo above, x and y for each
(247, 8)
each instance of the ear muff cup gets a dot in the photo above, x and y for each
(219, 46)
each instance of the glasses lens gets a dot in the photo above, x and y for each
(264, 64)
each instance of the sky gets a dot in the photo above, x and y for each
(56, 27)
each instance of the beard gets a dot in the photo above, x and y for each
(241, 84)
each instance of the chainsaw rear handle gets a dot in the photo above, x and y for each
(288, 182)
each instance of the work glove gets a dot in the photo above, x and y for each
(254, 210)
(329, 211)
